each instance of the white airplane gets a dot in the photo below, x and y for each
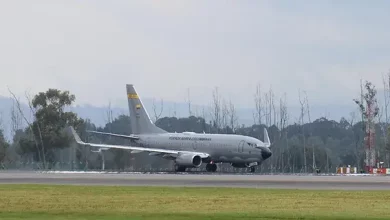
(187, 149)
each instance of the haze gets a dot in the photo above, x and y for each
(93, 48)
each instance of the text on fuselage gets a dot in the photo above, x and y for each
(190, 138)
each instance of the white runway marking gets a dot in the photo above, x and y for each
(344, 182)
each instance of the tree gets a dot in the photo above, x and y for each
(369, 112)
(174, 110)
(189, 103)
(3, 143)
(3, 146)
(303, 104)
(29, 137)
(225, 114)
(157, 114)
(385, 126)
(271, 108)
(283, 115)
(109, 116)
(267, 106)
(233, 118)
(50, 120)
(16, 119)
(258, 115)
(310, 131)
(216, 109)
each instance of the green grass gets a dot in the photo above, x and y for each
(108, 202)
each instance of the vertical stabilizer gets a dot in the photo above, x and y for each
(139, 118)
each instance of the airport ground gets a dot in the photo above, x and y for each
(36, 195)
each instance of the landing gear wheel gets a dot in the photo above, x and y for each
(180, 168)
(253, 169)
(211, 167)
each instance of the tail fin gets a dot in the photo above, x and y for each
(139, 118)
(266, 142)
(76, 136)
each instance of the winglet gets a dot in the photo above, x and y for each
(267, 142)
(76, 136)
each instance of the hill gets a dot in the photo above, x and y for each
(98, 115)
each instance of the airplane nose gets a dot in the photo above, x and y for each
(265, 154)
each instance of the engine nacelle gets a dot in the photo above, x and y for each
(240, 165)
(189, 160)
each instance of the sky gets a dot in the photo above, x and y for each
(164, 48)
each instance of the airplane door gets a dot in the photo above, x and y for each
(241, 146)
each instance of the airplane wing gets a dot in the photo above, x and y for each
(152, 151)
(133, 137)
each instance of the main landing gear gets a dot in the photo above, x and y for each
(253, 169)
(211, 167)
(180, 168)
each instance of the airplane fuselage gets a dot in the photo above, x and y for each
(187, 149)
(221, 147)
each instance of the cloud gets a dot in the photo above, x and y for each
(94, 48)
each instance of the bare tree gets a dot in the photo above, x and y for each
(33, 112)
(204, 118)
(204, 114)
(1, 121)
(266, 112)
(357, 136)
(271, 106)
(274, 110)
(29, 125)
(225, 115)
(382, 127)
(189, 103)
(270, 109)
(197, 113)
(368, 117)
(283, 116)
(351, 122)
(258, 115)
(386, 93)
(216, 109)
(16, 119)
(233, 118)
(303, 104)
(174, 110)
(109, 117)
(310, 131)
(157, 114)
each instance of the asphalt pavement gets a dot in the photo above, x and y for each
(357, 182)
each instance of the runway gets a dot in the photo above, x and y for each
(200, 180)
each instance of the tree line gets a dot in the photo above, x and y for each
(306, 145)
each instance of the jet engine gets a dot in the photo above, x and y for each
(189, 160)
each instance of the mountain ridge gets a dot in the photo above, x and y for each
(98, 115)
